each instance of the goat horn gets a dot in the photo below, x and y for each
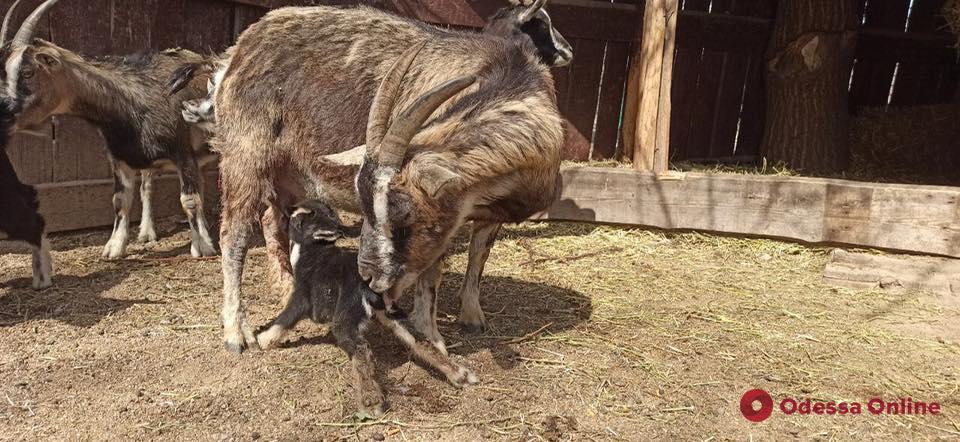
(527, 15)
(386, 97)
(407, 124)
(6, 22)
(25, 34)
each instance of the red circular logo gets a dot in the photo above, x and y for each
(766, 405)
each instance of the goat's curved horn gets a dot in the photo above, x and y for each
(25, 34)
(386, 97)
(528, 15)
(6, 22)
(394, 146)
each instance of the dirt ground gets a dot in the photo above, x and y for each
(596, 333)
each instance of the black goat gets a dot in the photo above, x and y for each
(19, 216)
(328, 288)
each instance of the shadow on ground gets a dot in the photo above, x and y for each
(75, 300)
(514, 308)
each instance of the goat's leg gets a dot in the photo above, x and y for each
(350, 338)
(274, 225)
(481, 241)
(297, 309)
(147, 231)
(424, 316)
(42, 263)
(427, 352)
(191, 184)
(122, 201)
(241, 207)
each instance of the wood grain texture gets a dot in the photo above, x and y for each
(86, 204)
(923, 219)
(652, 138)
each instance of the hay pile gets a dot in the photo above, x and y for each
(916, 144)
(951, 12)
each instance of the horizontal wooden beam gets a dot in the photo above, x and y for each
(86, 204)
(922, 219)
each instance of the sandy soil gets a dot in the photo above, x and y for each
(596, 333)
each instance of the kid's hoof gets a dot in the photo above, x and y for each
(464, 377)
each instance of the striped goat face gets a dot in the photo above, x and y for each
(33, 72)
(406, 223)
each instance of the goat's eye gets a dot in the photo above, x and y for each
(27, 74)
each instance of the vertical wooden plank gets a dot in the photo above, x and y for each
(86, 28)
(872, 78)
(700, 70)
(168, 27)
(924, 81)
(753, 115)
(735, 80)
(685, 74)
(607, 132)
(130, 29)
(244, 16)
(632, 100)
(583, 87)
(208, 26)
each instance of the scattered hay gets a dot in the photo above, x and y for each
(595, 333)
(951, 12)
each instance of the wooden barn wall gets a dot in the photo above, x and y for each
(904, 57)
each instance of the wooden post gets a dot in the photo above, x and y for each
(651, 150)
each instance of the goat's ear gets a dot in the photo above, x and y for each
(533, 7)
(434, 179)
(327, 235)
(47, 59)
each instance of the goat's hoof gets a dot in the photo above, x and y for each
(147, 237)
(238, 348)
(202, 250)
(41, 283)
(464, 377)
(113, 250)
(372, 404)
(475, 328)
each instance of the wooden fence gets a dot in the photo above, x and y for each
(718, 108)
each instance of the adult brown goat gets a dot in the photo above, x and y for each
(294, 103)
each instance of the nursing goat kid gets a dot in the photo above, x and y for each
(292, 106)
(126, 99)
(328, 289)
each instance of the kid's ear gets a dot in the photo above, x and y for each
(327, 235)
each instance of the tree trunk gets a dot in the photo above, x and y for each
(808, 72)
